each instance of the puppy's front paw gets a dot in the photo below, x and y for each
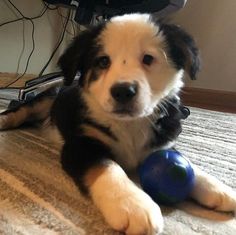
(132, 212)
(220, 198)
(125, 207)
(214, 194)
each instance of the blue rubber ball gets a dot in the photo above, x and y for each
(166, 176)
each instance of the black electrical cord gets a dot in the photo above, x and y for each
(70, 20)
(28, 60)
(25, 17)
(33, 44)
(11, 21)
(48, 6)
(58, 44)
(73, 25)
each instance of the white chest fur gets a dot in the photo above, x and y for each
(133, 139)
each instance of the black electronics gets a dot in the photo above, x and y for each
(85, 9)
(12, 97)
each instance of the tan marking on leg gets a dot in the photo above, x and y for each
(38, 111)
(42, 109)
(93, 174)
(14, 119)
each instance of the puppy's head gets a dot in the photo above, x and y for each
(130, 63)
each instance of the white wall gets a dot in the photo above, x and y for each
(213, 24)
(47, 31)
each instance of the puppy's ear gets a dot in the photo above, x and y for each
(70, 60)
(79, 55)
(182, 49)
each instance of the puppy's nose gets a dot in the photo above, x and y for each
(124, 92)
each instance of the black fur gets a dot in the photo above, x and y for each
(106, 130)
(182, 49)
(169, 126)
(81, 54)
(82, 153)
(79, 152)
(68, 112)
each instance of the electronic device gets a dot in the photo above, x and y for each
(86, 9)
(12, 97)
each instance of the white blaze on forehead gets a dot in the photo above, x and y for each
(131, 17)
(133, 33)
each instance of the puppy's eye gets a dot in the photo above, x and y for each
(103, 62)
(148, 59)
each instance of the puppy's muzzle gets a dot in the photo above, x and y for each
(124, 96)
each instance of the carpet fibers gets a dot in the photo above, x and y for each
(37, 197)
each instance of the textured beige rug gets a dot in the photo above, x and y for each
(37, 198)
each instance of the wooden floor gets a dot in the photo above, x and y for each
(7, 78)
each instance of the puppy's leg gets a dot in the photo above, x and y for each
(212, 193)
(35, 110)
(125, 207)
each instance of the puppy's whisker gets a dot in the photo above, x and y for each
(152, 118)
(156, 113)
(165, 56)
(163, 109)
(143, 133)
(152, 123)
(165, 100)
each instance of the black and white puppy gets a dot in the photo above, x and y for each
(125, 106)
